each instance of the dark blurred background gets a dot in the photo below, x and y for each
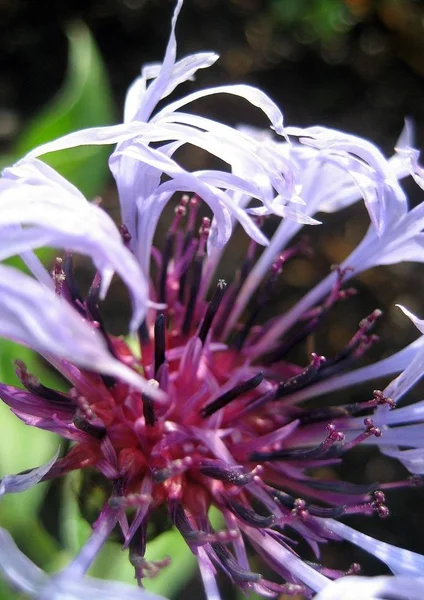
(356, 65)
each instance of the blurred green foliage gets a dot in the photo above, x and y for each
(85, 100)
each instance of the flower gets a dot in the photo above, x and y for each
(206, 410)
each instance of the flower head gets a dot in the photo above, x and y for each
(204, 410)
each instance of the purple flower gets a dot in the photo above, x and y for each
(207, 411)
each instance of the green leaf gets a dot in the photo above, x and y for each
(85, 100)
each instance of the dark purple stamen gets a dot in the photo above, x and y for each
(70, 282)
(230, 565)
(92, 430)
(34, 386)
(137, 550)
(359, 340)
(212, 310)
(194, 290)
(159, 342)
(235, 392)
(248, 515)
(326, 448)
(148, 410)
(166, 257)
(235, 475)
(297, 382)
(314, 510)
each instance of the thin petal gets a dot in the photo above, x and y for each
(253, 95)
(367, 588)
(400, 561)
(17, 568)
(31, 314)
(12, 484)
(54, 213)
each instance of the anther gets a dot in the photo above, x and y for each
(370, 429)
(32, 384)
(95, 431)
(379, 504)
(125, 234)
(333, 437)
(300, 509)
(232, 394)
(58, 275)
(212, 309)
(297, 382)
(159, 332)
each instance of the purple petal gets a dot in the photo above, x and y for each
(12, 484)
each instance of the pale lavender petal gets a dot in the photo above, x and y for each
(64, 588)
(207, 571)
(55, 213)
(31, 314)
(17, 568)
(382, 209)
(400, 561)
(157, 88)
(183, 70)
(414, 371)
(12, 484)
(20, 572)
(412, 460)
(382, 368)
(253, 95)
(297, 567)
(368, 588)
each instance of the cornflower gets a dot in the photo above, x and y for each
(207, 410)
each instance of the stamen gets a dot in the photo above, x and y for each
(212, 310)
(376, 505)
(159, 342)
(71, 284)
(297, 382)
(229, 564)
(370, 430)
(346, 410)
(125, 234)
(95, 431)
(235, 392)
(148, 409)
(261, 299)
(33, 385)
(313, 318)
(312, 509)
(248, 515)
(175, 468)
(195, 536)
(143, 335)
(197, 276)
(356, 347)
(236, 475)
(320, 451)
(58, 275)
